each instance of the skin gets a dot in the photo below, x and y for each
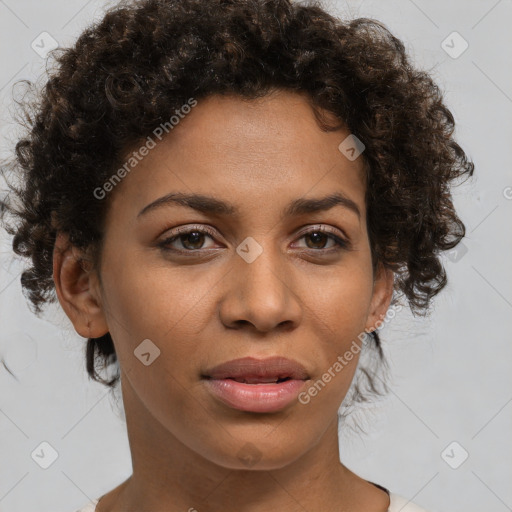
(294, 300)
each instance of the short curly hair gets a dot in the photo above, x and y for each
(130, 70)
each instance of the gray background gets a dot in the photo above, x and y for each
(451, 371)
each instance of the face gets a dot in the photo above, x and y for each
(198, 287)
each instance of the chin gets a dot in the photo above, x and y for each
(256, 453)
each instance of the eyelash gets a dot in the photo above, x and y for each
(340, 243)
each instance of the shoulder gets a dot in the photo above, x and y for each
(400, 504)
(90, 507)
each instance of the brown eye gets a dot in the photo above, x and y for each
(318, 240)
(192, 240)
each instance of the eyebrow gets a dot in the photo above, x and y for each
(211, 205)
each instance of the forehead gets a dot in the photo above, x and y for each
(242, 149)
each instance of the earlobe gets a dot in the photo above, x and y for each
(381, 299)
(77, 289)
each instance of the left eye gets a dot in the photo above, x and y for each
(320, 237)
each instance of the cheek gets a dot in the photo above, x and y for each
(341, 300)
(335, 306)
(339, 312)
(168, 305)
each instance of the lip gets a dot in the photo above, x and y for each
(256, 395)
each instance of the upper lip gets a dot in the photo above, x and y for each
(252, 368)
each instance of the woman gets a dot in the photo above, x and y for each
(226, 198)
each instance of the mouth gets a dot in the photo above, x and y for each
(259, 380)
(256, 385)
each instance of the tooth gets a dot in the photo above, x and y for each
(258, 381)
(262, 380)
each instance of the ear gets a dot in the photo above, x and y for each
(77, 287)
(382, 294)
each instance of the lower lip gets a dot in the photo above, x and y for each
(255, 397)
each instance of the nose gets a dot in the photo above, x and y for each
(261, 294)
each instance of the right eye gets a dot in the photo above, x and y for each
(191, 239)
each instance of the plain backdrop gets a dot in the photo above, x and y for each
(442, 436)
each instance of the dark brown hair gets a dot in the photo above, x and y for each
(134, 68)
